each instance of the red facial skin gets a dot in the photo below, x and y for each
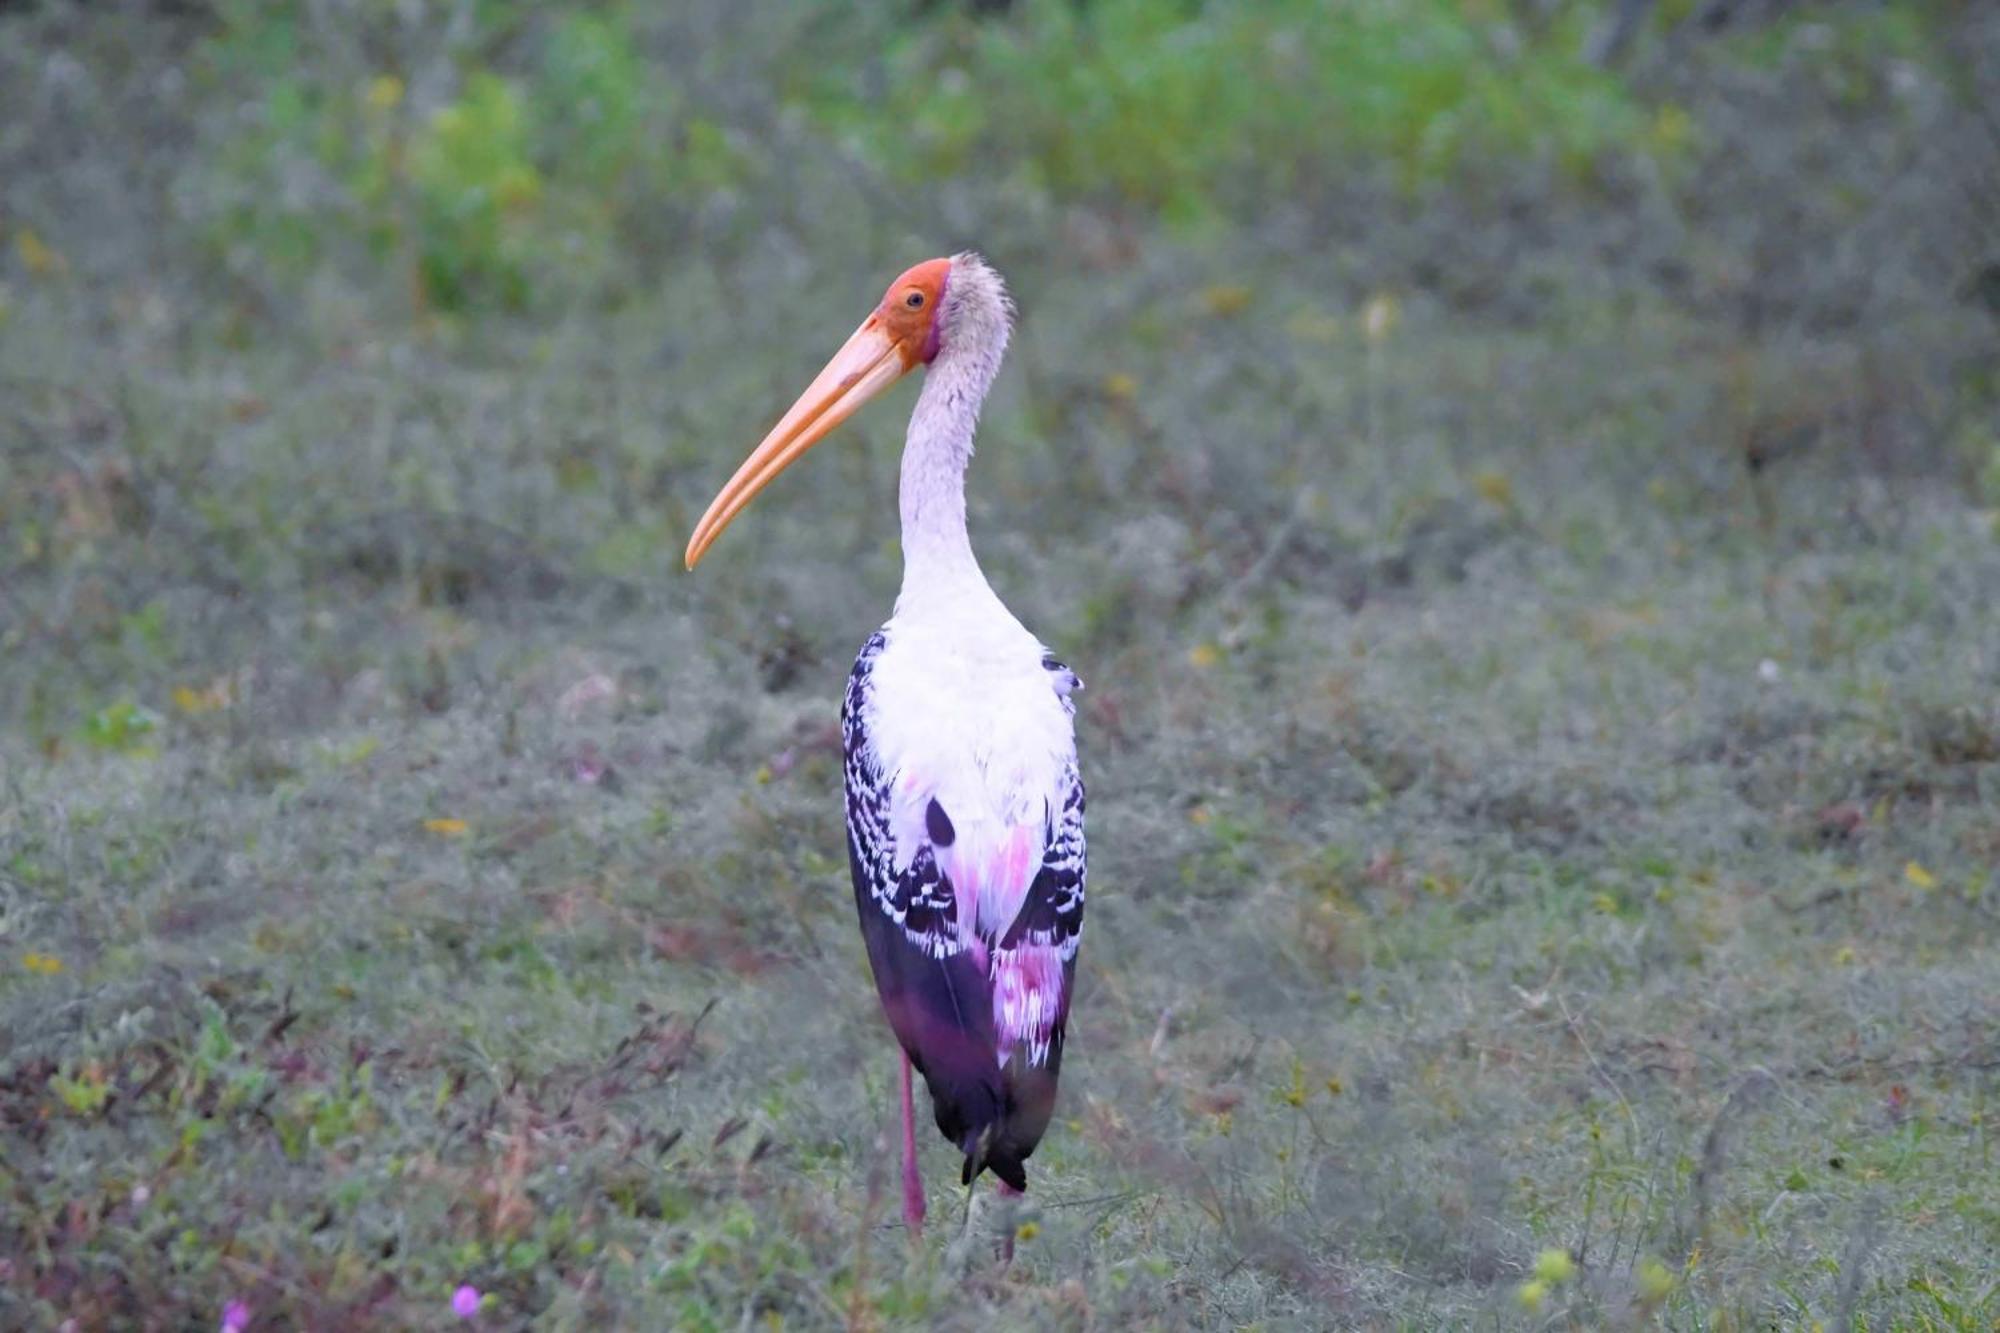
(914, 327)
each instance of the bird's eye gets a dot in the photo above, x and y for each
(915, 300)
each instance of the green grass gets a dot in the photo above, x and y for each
(1518, 824)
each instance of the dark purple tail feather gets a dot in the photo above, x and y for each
(941, 1010)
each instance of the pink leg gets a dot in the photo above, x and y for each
(913, 1185)
(1006, 1191)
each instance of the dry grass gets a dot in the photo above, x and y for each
(1519, 822)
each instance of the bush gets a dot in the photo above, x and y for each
(522, 177)
(485, 197)
(1167, 106)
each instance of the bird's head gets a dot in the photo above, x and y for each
(938, 303)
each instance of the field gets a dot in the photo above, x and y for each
(1529, 532)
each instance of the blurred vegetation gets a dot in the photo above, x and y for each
(1201, 110)
(516, 154)
(1521, 479)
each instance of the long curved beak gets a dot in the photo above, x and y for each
(869, 362)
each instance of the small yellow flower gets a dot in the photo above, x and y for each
(36, 254)
(1531, 1295)
(1496, 488)
(42, 964)
(1204, 655)
(1225, 299)
(385, 92)
(1656, 1281)
(1917, 875)
(1672, 128)
(1028, 1230)
(1844, 955)
(447, 828)
(1553, 1265)
(195, 702)
(1121, 386)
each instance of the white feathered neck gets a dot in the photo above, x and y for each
(975, 320)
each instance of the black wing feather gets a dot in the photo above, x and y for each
(934, 992)
(1052, 912)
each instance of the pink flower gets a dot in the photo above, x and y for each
(465, 1301)
(235, 1317)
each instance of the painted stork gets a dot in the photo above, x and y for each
(964, 803)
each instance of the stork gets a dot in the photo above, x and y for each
(964, 802)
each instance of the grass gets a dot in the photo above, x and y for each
(1540, 719)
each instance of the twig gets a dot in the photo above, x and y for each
(1123, 1196)
(1274, 550)
(1714, 1149)
(1576, 1031)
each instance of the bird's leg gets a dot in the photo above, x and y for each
(1008, 1197)
(913, 1185)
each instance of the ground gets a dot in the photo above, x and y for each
(1542, 726)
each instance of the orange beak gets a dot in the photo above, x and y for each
(869, 362)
